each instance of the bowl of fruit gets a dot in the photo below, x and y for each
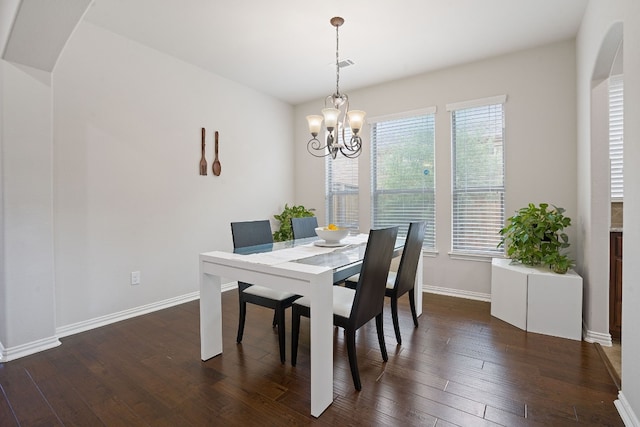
(331, 233)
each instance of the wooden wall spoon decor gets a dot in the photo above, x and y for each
(217, 167)
(203, 161)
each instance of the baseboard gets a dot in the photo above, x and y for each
(97, 322)
(11, 353)
(629, 418)
(458, 293)
(596, 337)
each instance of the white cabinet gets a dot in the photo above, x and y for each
(536, 299)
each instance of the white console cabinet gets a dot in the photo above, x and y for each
(537, 299)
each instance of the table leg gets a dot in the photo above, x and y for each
(321, 343)
(210, 315)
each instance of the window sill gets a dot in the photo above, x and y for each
(470, 256)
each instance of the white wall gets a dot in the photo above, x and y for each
(600, 18)
(127, 193)
(540, 143)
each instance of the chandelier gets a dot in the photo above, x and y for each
(335, 116)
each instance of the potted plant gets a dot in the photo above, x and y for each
(285, 232)
(558, 262)
(535, 236)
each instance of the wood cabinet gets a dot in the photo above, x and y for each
(615, 284)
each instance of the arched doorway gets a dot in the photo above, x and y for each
(605, 211)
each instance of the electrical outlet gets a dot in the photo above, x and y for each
(135, 277)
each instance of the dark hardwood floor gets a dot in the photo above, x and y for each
(460, 367)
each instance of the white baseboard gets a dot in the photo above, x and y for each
(11, 353)
(629, 418)
(593, 337)
(97, 322)
(478, 296)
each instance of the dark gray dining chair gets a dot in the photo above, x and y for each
(352, 308)
(251, 233)
(304, 227)
(403, 281)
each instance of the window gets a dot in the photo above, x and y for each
(616, 103)
(477, 130)
(342, 189)
(402, 173)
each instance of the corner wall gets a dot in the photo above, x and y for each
(600, 17)
(28, 315)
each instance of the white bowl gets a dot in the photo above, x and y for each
(332, 236)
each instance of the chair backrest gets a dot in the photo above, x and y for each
(304, 227)
(406, 276)
(250, 233)
(369, 299)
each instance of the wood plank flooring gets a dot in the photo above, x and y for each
(460, 367)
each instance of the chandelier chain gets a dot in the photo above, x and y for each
(337, 63)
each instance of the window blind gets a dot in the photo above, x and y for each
(477, 176)
(616, 129)
(402, 172)
(342, 189)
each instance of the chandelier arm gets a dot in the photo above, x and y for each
(314, 145)
(354, 145)
(350, 154)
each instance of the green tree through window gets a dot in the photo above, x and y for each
(403, 178)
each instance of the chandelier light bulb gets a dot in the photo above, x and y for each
(330, 117)
(315, 124)
(356, 120)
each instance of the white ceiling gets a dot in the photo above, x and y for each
(285, 48)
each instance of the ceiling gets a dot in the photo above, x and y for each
(286, 48)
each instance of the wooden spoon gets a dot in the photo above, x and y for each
(217, 168)
(203, 161)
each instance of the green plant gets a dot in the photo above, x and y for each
(285, 232)
(558, 263)
(535, 235)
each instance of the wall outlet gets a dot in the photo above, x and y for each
(135, 277)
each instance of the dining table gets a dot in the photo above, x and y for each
(307, 267)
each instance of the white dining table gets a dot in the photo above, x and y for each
(300, 267)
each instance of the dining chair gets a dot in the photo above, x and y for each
(304, 227)
(403, 281)
(352, 308)
(250, 233)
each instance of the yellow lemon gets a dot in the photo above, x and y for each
(332, 227)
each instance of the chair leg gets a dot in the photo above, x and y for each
(412, 303)
(281, 332)
(380, 330)
(295, 334)
(353, 360)
(394, 317)
(241, 318)
(275, 319)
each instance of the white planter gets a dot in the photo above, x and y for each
(536, 299)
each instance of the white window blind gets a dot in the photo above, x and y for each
(477, 176)
(342, 189)
(616, 110)
(402, 174)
